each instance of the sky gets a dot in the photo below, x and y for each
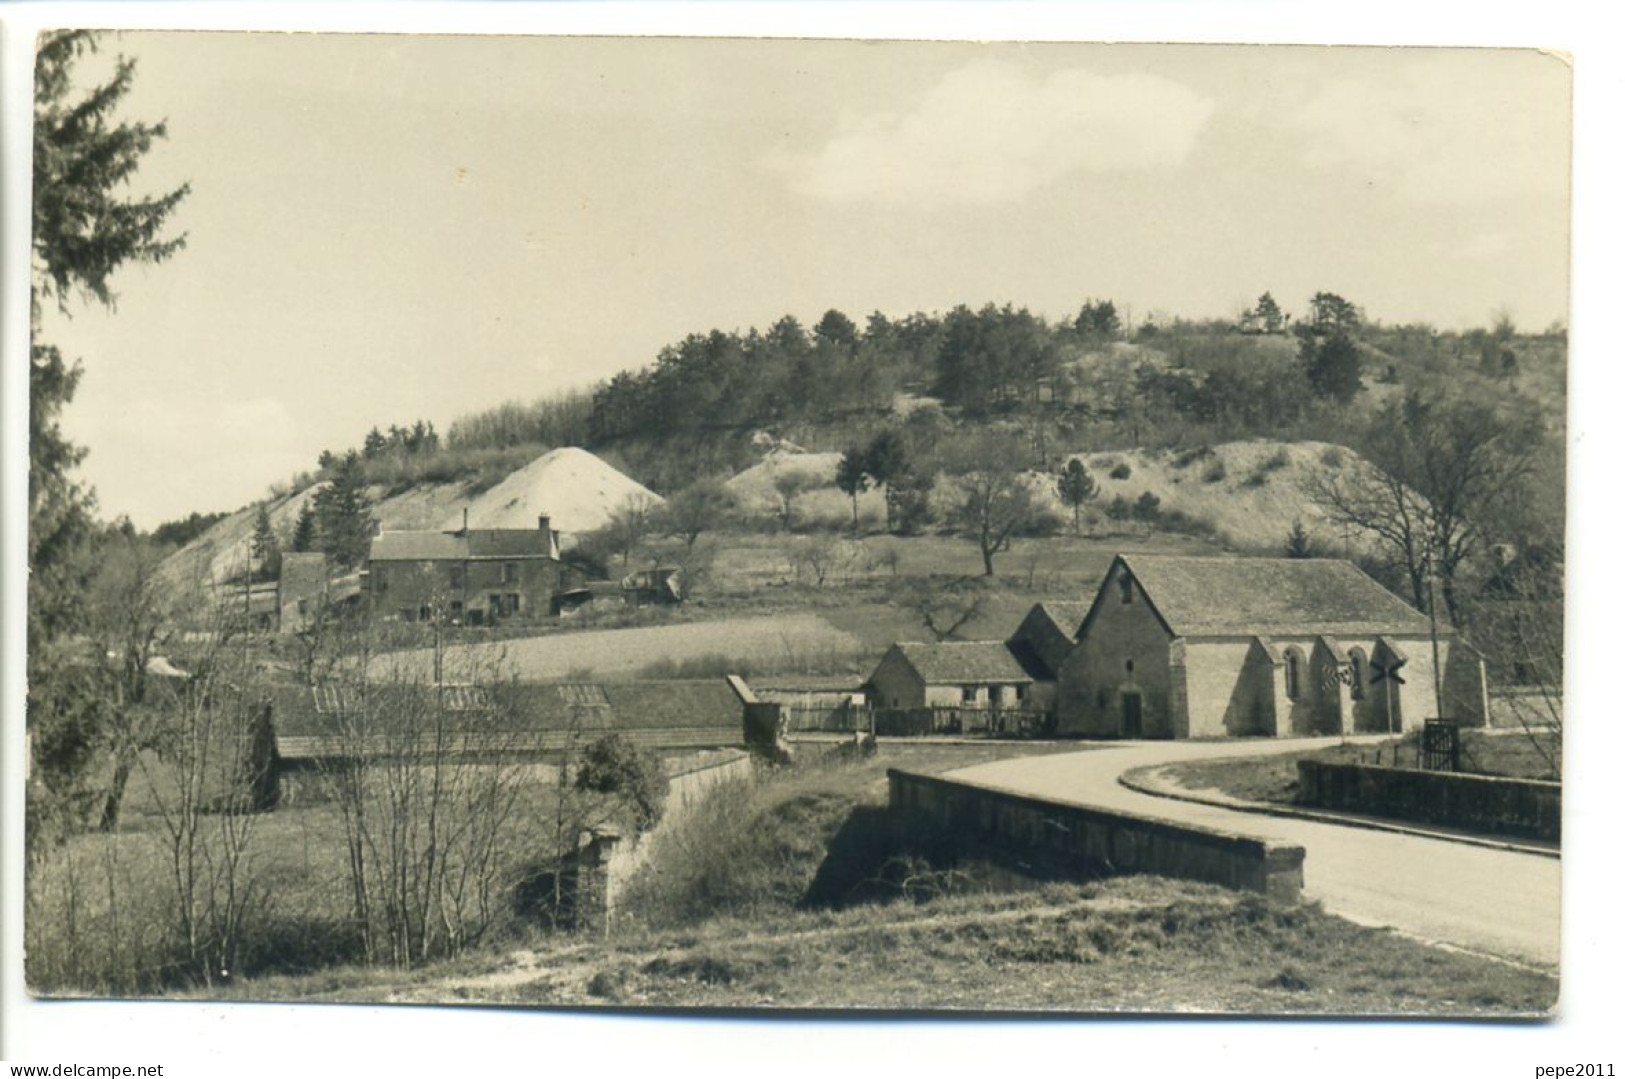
(386, 228)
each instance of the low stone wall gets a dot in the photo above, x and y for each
(1519, 807)
(1087, 839)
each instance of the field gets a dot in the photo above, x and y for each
(780, 642)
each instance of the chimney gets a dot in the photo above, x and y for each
(465, 518)
(542, 522)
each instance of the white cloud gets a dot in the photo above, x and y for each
(989, 133)
(1442, 131)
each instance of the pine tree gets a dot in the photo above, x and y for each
(885, 459)
(852, 479)
(1298, 543)
(1269, 313)
(344, 513)
(1076, 486)
(264, 549)
(304, 529)
(84, 230)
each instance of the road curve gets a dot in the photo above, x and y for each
(1499, 902)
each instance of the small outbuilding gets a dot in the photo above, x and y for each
(956, 674)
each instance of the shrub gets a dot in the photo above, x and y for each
(1332, 457)
(1147, 506)
(1186, 458)
(1214, 473)
(1121, 471)
(1276, 461)
(1119, 509)
(1257, 478)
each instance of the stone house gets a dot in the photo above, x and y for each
(957, 674)
(1176, 647)
(478, 576)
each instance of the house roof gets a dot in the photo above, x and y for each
(963, 662)
(418, 547)
(312, 721)
(425, 546)
(1260, 596)
(1068, 615)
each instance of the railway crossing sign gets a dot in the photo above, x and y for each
(1387, 671)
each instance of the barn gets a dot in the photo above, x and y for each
(1177, 647)
(509, 720)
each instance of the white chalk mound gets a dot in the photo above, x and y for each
(573, 487)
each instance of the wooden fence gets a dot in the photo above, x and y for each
(918, 722)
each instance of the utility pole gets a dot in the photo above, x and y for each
(1433, 633)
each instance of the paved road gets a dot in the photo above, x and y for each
(1495, 901)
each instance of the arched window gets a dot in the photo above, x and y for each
(1294, 673)
(1126, 584)
(1357, 674)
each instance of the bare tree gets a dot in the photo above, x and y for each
(790, 486)
(944, 608)
(1430, 498)
(996, 502)
(195, 779)
(129, 617)
(701, 507)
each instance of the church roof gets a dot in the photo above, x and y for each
(1198, 597)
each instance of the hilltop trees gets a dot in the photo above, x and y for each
(1268, 313)
(84, 231)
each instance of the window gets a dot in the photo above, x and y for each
(304, 608)
(424, 612)
(457, 577)
(512, 603)
(1021, 693)
(1357, 674)
(406, 614)
(967, 695)
(1125, 585)
(510, 572)
(1294, 672)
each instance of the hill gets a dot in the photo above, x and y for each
(572, 486)
(1250, 492)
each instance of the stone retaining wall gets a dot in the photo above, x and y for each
(1089, 839)
(1520, 807)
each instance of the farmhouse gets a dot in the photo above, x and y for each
(476, 575)
(1177, 647)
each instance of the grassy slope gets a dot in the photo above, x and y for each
(723, 918)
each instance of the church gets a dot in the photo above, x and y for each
(1178, 647)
